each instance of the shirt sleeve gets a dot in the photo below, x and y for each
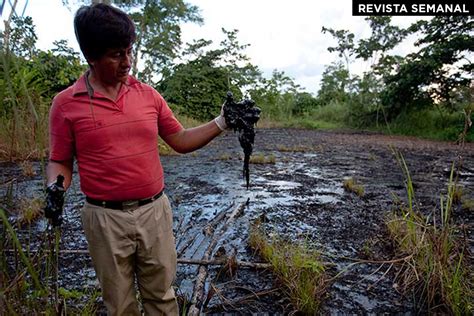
(61, 139)
(167, 122)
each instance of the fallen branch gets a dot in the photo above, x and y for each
(197, 297)
(183, 230)
(244, 264)
(207, 231)
(253, 295)
(210, 227)
(179, 225)
(186, 246)
(356, 260)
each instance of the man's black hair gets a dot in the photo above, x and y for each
(100, 27)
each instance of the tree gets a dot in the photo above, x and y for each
(304, 102)
(345, 41)
(198, 84)
(28, 74)
(436, 70)
(159, 35)
(432, 74)
(365, 108)
(276, 95)
(22, 37)
(335, 84)
(241, 72)
(57, 68)
(383, 38)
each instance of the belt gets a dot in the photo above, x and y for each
(120, 205)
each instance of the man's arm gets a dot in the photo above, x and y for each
(56, 168)
(188, 140)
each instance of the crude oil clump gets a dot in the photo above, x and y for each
(242, 117)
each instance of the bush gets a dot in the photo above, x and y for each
(432, 124)
(334, 112)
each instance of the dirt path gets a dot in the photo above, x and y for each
(301, 197)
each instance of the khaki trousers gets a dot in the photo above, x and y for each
(133, 243)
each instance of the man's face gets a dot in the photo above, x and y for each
(114, 65)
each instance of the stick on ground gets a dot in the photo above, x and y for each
(198, 293)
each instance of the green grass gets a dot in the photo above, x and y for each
(297, 267)
(425, 123)
(436, 267)
(334, 113)
(430, 124)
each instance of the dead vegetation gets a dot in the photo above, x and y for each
(262, 159)
(352, 185)
(30, 210)
(294, 148)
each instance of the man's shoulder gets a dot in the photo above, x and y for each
(69, 94)
(65, 96)
(136, 84)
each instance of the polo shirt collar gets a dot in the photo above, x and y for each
(81, 85)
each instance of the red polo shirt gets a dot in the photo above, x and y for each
(115, 142)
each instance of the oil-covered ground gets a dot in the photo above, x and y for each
(299, 197)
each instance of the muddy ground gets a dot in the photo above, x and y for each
(299, 197)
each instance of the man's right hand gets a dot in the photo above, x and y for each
(220, 120)
(55, 201)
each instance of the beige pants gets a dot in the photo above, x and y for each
(137, 242)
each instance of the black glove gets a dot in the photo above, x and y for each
(55, 201)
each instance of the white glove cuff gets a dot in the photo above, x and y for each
(220, 122)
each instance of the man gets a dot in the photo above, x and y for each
(110, 121)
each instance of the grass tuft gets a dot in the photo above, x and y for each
(224, 156)
(297, 267)
(468, 205)
(294, 148)
(30, 210)
(351, 185)
(435, 267)
(27, 168)
(262, 159)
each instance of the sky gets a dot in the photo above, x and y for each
(283, 35)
